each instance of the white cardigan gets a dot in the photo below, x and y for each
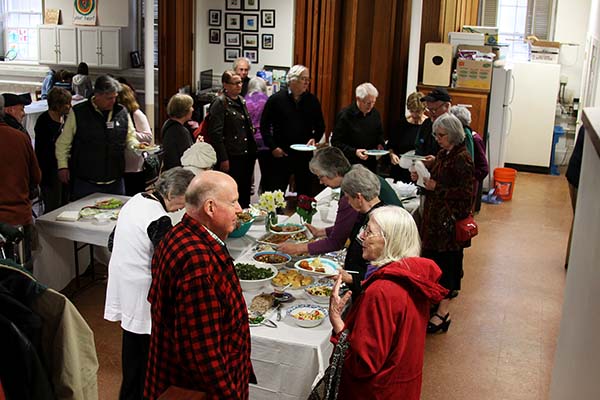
(134, 162)
(129, 274)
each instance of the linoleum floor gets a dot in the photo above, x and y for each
(505, 322)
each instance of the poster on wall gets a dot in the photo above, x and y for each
(84, 12)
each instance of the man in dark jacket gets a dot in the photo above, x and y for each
(91, 148)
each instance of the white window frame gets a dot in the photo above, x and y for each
(140, 29)
(32, 45)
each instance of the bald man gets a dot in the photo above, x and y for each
(195, 289)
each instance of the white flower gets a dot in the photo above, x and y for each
(271, 201)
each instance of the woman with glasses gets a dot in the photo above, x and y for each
(231, 133)
(383, 333)
(403, 139)
(448, 197)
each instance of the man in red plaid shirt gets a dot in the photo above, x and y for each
(200, 334)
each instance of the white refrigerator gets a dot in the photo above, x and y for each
(521, 115)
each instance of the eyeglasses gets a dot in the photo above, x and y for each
(304, 79)
(435, 109)
(366, 233)
(439, 135)
(367, 103)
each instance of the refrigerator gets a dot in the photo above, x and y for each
(521, 115)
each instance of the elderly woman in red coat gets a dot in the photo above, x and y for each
(384, 331)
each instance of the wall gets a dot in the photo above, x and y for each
(571, 27)
(211, 56)
(110, 12)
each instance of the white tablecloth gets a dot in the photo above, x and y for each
(54, 262)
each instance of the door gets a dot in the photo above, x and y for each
(110, 47)
(67, 45)
(47, 44)
(88, 46)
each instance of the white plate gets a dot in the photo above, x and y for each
(301, 228)
(413, 157)
(331, 267)
(266, 315)
(307, 308)
(376, 152)
(149, 150)
(303, 147)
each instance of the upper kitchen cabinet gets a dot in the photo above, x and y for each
(58, 44)
(99, 46)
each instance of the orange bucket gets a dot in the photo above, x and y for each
(504, 182)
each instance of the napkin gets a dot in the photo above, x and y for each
(70, 216)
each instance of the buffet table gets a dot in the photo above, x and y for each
(54, 262)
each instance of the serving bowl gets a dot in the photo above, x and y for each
(308, 315)
(274, 258)
(319, 292)
(250, 285)
(242, 229)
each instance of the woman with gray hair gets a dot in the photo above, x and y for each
(358, 128)
(448, 198)
(176, 138)
(330, 165)
(255, 102)
(142, 223)
(384, 329)
(292, 116)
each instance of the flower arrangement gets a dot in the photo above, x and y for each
(307, 207)
(271, 201)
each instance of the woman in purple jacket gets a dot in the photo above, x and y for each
(255, 103)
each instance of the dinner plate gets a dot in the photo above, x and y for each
(376, 152)
(330, 266)
(299, 228)
(149, 150)
(266, 315)
(303, 147)
(413, 157)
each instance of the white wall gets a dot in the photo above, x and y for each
(211, 56)
(110, 12)
(571, 27)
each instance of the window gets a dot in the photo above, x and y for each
(18, 21)
(517, 19)
(141, 35)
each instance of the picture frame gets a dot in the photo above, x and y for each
(214, 36)
(250, 40)
(214, 17)
(267, 40)
(251, 54)
(250, 22)
(267, 18)
(231, 54)
(233, 21)
(233, 5)
(136, 59)
(251, 5)
(232, 39)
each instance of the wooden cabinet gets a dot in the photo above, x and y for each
(57, 45)
(475, 100)
(100, 47)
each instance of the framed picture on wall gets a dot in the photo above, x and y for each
(233, 4)
(251, 54)
(250, 40)
(267, 41)
(214, 36)
(214, 17)
(232, 39)
(250, 22)
(251, 5)
(231, 54)
(267, 18)
(233, 22)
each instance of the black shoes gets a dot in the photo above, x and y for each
(443, 326)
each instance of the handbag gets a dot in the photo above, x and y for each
(151, 168)
(466, 229)
(328, 386)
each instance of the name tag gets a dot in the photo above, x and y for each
(110, 125)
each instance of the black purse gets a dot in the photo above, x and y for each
(151, 168)
(328, 386)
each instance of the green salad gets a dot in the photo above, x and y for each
(250, 272)
(255, 320)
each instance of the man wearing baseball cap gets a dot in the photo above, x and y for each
(438, 102)
(14, 109)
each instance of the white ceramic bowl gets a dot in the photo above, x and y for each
(278, 265)
(254, 285)
(295, 313)
(319, 287)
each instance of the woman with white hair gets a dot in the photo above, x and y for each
(292, 116)
(384, 331)
(448, 198)
(358, 128)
